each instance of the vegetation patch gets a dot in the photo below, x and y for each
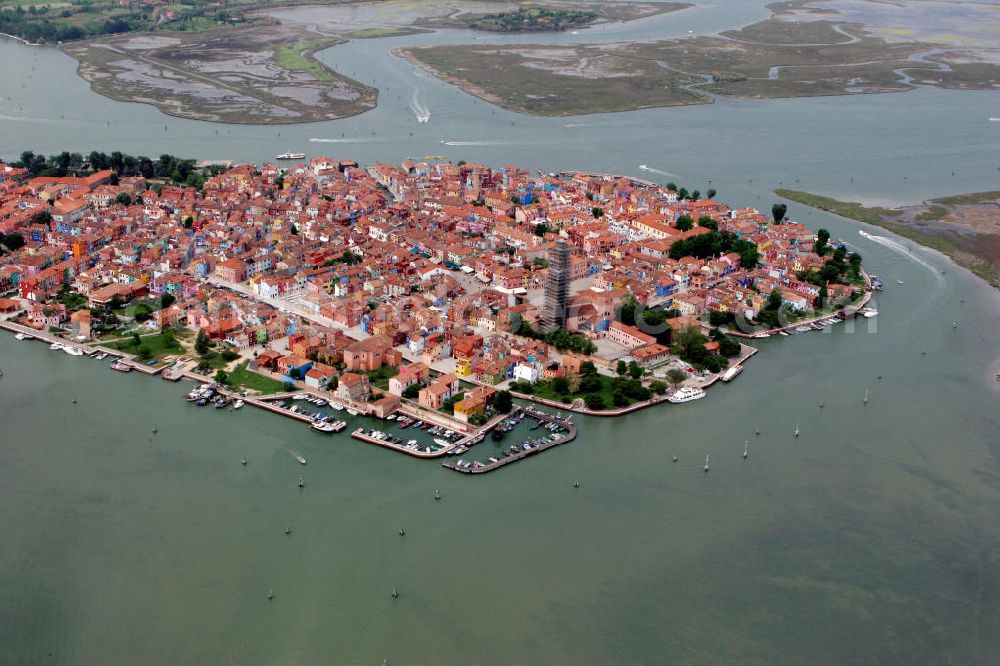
(242, 376)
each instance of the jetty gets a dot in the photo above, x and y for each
(567, 433)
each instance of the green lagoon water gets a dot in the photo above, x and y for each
(873, 538)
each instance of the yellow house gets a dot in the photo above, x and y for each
(463, 368)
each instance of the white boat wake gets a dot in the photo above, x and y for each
(475, 143)
(315, 140)
(571, 125)
(901, 249)
(650, 169)
(420, 110)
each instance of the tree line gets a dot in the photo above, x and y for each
(166, 167)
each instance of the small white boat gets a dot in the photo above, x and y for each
(336, 406)
(899, 282)
(300, 458)
(19, 336)
(290, 156)
(442, 442)
(56, 345)
(410, 443)
(732, 372)
(644, 167)
(322, 426)
(73, 351)
(238, 404)
(869, 313)
(353, 412)
(300, 396)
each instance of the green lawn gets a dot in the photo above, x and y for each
(546, 390)
(241, 376)
(160, 345)
(380, 378)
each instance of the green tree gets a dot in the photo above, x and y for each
(823, 296)
(685, 223)
(590, 384)
(540, 229)
(773, 301)
(412, 392)
(42, 217)
(142, 312)
(594, 401)
(222, 377)
(12, 241)
(166, 300)
(689, 343)
(675, 377)
(503, 402)
(188, 222)
(597, 212)
(621, 368)
(124, 198)
(634, 371)
(144, 353)
(588, 368)
(560, 385)
(658, 387)
(136, 340)
(822, 237)
(710, 194)
(201, 343)
(229, 354)
(778, 211)
(708, 223)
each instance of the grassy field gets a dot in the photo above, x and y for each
(160, 345)
(375, 33)
(767, 60)
(973, 251)
(248, 379)
(298, 57)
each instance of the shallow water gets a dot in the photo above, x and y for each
(872, 538)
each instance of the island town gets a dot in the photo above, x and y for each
(425, 294)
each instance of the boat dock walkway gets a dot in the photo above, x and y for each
(360, 434)
(534, 413)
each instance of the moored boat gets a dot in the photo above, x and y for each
(290, 156)
(732, 372)
(322, 426)
(687, 394)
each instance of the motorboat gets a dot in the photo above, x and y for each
(442, 442)
(353, 412)
(56, 345)
(73, 351)
(687, 394)
(869, 313)
(290, 156)
(322, 426)
(731, 374)
(238, 404)
(300, 458)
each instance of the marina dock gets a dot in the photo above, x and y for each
(532, 412)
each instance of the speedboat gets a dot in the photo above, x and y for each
(56, 345)
(73, 351)
(353, 412)
(336, 406)
(300, 458)
(732, 372)
(869, 313)
(300, 396)
(239, 403)
(290, 156)
(644, 167)
(442, 442)
(19, 336)
(687, 394)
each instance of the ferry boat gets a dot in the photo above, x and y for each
(730, 374)
(687, 394)
(290, 156)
